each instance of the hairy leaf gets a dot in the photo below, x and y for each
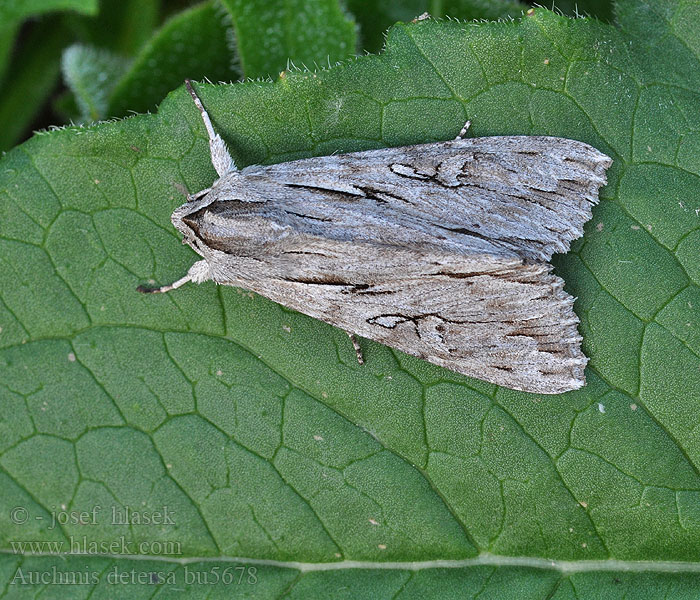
(91, 73)
(275, 34)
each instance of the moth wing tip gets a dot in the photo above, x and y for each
(577, 383)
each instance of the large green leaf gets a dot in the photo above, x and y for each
(255, 426)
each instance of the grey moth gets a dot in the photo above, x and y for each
(439, 250)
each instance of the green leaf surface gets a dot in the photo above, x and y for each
(195, 43)
(271, 34)
(255, 426)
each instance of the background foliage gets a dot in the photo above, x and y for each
(254, 424)
(84, 60)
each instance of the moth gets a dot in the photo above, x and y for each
(440, 250)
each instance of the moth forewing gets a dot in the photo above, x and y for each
(439, 250)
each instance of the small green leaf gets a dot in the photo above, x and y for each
(272, 34)
(195, 44)
(91, 74)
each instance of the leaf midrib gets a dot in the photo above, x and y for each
(566, 568)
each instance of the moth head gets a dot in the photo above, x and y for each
(232, 226)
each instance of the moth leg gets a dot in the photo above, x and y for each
(198, 273)
(463, 131)
(220, 157)
(356, 345)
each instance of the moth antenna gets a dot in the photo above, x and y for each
(220, 157)
(197, 273)
(358, 349)
(463, 131)
(163, 288)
